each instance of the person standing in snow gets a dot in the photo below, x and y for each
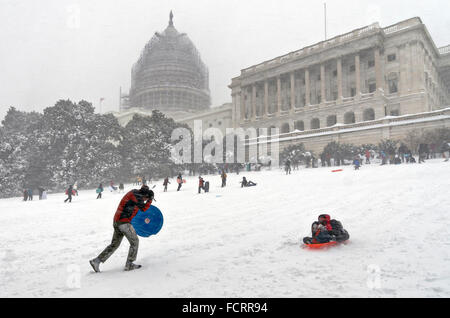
(224, 179)
(69, 194)
(30, 194)
(200, 184)
(165, 183)
(75, 188)
(287, 166)
(41, 191)
(99, 191)
(179, 181)
(445, 149)
(129, 206)
(121, 188)
(25, 194)
(356, 163)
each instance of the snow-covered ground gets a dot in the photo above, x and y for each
(235, 242)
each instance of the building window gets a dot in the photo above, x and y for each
(331, 120)
(318, 77)
(391, 57)
(369, 114)
(299, 125)
(285, 128)
(352, 68)
(371, 63)
(220, 123)
(335, 95)
(335, 73)
(393, 86)
(319, 99)
(372, 87)
(349, 118)
(315, 123)
(352, 91)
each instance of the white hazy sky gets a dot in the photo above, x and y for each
(84, 49)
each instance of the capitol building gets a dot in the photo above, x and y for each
(360, 87)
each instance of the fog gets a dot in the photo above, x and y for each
(68, 49)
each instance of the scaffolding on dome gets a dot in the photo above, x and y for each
(170, 75)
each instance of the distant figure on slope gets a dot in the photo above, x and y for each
(165, 183)
(245, 183)
(367, 154)
(423, 151)
(179, 181)
(129, 206)
(75, 188)
(69, 194)
(112, 187)
(287, 166)
(25, 194)
(201, 184)
(30, 194)
(356, 163)
(121, 188)
(445, 149)
(224, 179)
(99, 191)
(41, 191)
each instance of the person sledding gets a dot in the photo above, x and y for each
(326, 230)
(129, 206)
(245, 183)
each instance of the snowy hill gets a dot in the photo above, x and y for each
(235, 242)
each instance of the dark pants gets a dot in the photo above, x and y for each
(68, 198)
(165, 188)
(99, 196)
(200, 188)
(179, 186)
(121, 230)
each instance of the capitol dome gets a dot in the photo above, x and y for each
(170, 75)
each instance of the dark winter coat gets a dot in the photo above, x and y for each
(129, 206)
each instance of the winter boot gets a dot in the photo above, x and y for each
(130, 266)
(95, 263)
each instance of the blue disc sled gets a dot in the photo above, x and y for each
(148, 222)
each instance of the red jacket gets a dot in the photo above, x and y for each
(200, 182)
(129, 206)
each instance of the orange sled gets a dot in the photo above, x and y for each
(322, 245)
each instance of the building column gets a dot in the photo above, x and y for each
(241, 106)
(307, 89)
(253, 101)
(266, 97)
(292, 91)
(358, 76)
(278, 95)
(323, 92)
(378, 72)
(339, 80)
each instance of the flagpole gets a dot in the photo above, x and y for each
(325, 14)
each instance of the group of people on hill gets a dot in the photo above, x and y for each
(203, 184)
(28, 194)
